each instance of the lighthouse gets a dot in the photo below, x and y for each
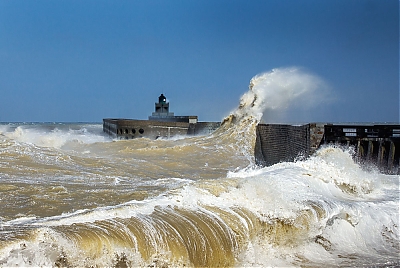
(162, 108)
(162, 112)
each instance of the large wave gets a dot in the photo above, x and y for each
(325, 210)
(273, 94)
(276, 96)
(192, 202)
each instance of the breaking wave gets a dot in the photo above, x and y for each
(272, 95)
(86, 201)
(53, 135)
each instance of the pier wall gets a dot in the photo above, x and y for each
(281, 143)
(131, 128)
(375, 145)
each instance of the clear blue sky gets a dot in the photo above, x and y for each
(84, 60)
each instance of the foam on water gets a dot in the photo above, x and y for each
(197, 201)
(311, 212)
(55, 136)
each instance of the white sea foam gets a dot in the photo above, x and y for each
(360, 207)
(348, 211)
(55, 136)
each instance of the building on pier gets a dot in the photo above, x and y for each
(161, 124)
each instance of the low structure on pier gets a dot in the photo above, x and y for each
(161, 124)
(374, 144)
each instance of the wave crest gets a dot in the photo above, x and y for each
(273, 94)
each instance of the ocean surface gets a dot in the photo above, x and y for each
(72, 197)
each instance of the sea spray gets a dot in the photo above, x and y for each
(272, 94)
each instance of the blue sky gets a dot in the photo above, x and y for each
(84, 60)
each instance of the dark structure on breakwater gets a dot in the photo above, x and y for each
(378, 145)
(161, 124)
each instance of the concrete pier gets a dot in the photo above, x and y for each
(131, 128)
(161, 124)
(374, 144)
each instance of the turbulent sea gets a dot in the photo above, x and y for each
(72, 197)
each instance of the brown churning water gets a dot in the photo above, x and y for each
(71, 197)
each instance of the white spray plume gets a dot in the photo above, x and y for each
(272, 94)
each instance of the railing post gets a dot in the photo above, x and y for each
(370, 150)
(391, 156)
(381, 153)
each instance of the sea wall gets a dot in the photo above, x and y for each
(131, 128)
(281, 143)
(375, 145)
